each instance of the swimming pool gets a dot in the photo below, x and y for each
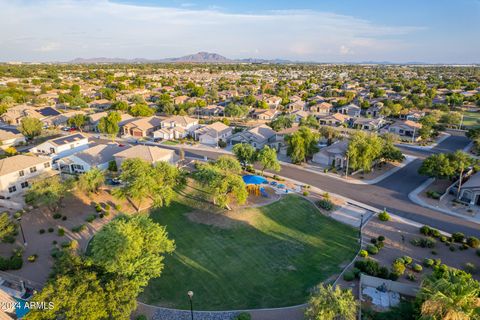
(253, 179)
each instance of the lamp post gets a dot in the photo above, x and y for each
(190, 296)
(360, 230)
(19, 219)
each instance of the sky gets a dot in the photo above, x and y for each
(431, 31)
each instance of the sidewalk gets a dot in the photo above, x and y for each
(413, 196)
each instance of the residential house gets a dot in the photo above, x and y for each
(321, 109)
(213, 133)
(257, 137)
(335, 119)
(62, 118)
(299, 115)
(15, 114)
(98, 156)
(296, 105)
(141, 127)
(470, 190)
(151, 154)
(370, 124)
(333, 155)
(176, 127)
(375, 110)
(10, 138)
(264, 114)
(273, 101)
(180, 99)
(101, 104)
(211, 110)
(63, 146)
(351, 110)
(406, 128)
(17, 173)
(94, 119)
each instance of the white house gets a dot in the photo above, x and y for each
(176, 127)
(10, 138)
(17, 173)
(406, 128)
(98, 156)
(257, 137)
(213, 133)
(61, 147)
(333, 155)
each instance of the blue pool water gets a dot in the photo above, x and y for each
(252, 179)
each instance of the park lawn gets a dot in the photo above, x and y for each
(471, 119)
(273, 261)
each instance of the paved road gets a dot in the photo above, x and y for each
(391, 193)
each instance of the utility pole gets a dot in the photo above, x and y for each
(346, 169)
(413, 137)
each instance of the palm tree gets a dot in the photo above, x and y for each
(453, 296)
(91, 181)
(331, 303)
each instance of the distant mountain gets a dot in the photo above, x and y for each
(199, 57)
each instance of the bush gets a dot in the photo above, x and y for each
(372, 268)
(41, 231)
(407, 259)
(381, 238)
(15, 262)
(433, 194)
(57, 215)
(64, 218)
(222, 144)
(411, 277)
(325, 204)
(452, 248)
(373, 240)
(348, 276)
(423, 242)
(61, 232)
(478, 252)
(50, 230)
(112, 166)
(106, 213)
(98, 208)
(428, 262)
(305, 193)
(473, 242)
(107, 207)
(101, 215)
(118, 207)
(243, 316)
(417, 268)
(79, 228)
(464, 246)
(32, 258)
(398, 268)
(458, 237)
(443, 239)
(470, 268)
(372, 249)
(384, 216)
(425, 230)
(364, 253)
(356, 272)
(437, 262)
(380, 245)
(90, 217)
(400, 260)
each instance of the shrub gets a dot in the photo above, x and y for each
(411, 276)
(101, 215)
(443, 239)
(356, 272)
(306, 193)
(428, 262)
(452, 248)
(364, 253)
(380, 245)
(478, 252)
(57, 215)
(61, 232)
(90, 217)
(118, 207)
(41, 231)
(106, 213)
(79, 228)
(32, 258)
(473, 242)
(407, 259)
(222, 144)
(425, 230)
(417, 268)
(348, 276)
(107, 207)
(325, 204)
(372, 249)
(243, 316)
(398, 268)
(433, 194)
(50, 230)
(470, 268)
(464, 246)
(437, 262)
(15, 262)
(399, 260)
(98, 207)
(373, 240)
(427, 242)
(458, 237)
(384, 216)
(435, 233)
(112, 166)
(381, 238)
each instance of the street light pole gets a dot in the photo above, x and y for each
(19, 219)
(190, 296)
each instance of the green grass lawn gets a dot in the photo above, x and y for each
(288, 248)
(170, 142)
(471, 119)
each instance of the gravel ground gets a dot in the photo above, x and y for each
(169, 314)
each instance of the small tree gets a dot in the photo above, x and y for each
(47, 192)
(329, 303)
(78, 121)
(109, 124)
(31, 127)
(91, 181)
(245, 153)
(267, 157)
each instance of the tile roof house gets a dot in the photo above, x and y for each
(351, 110)
(151, 154)
(17, 173)
(142, 127)
(11, 138)
(406, 128)
(335, 119)
(176, 127)
(257, 137)
(63, 146)
(265, 114)
(213, 133)
(323, 108)
(470, 190)
(211, 110)
(98, 156)
(367, 123)
(333, 155)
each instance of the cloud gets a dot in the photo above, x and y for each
(66, 29)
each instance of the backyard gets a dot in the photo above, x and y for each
(258, 257)
(471, 119)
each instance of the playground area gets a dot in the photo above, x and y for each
(258, 185)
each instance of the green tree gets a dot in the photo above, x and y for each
(47, 192)
(450, 294)
(141, 110)
(77, 121)
(91, 181)
(329, 303)
(302, 144)
(109, 124)
(310, 122)
(143, 180)
(267, 157)
(461, 161)
(30, 127)
(245, 153)
(363, 150)
(7, 228)
(282, 122)
(119, 105)
(133, 247)
(445, 166)
(329, 133)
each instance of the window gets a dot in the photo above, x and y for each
(77, 167)
(33, 169)
(72, 146)
(12, 189)
(24, 184)
(52, 150)
(46, 164)
(21, 173)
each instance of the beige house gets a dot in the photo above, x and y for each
(151, 154)
(142, 127)
(407, 128)
(11, 138)
(176, 127)
(335, 119)
(17, 173)
(213, 133)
